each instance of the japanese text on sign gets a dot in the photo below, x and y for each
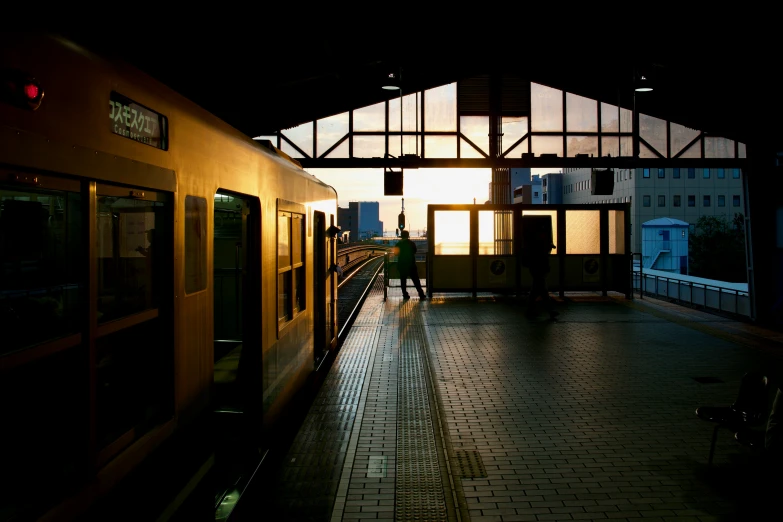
(136, 122)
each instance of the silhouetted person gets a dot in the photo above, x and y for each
(406, 265)
(538, 264)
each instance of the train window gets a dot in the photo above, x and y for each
(129, 264)
(195, 244)
(41, 282)
(290, 265)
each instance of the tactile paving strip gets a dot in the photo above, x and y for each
(419, 488)
(469, 464)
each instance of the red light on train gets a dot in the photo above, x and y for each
(20, 89)
(31, 91)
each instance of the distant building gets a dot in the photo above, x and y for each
(505, 181)
(683, 194)
(552, 189)
(527, 190)
(360, 219)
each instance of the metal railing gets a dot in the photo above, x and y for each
(706, 295)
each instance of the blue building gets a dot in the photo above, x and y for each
(361, 220)
(527, 187)
(665, 245)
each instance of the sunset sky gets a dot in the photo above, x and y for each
(420, 187)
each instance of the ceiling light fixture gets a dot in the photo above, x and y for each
(643, 84)
(391, 82)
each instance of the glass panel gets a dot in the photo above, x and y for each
(440, 146)
(718, 148)
(134, 381)
(40, 268)
(514, 128)
(626, 146)
(681, 136)
(371, 118)
(741, 152)
(297, 239)
(694, 151)
(284, 296)
(466, 150)
(441, 108)
(476, 129)
(129, 263)
(283, 240)
(409, 145)
(341, 151)
(299, 289)
(610, 118)
(195, 244)
(626, 121)
(553, 216)
(330, 130)
(581, 114)
(617, 232)
(546, 108)
(291, 151)
(452, 232)
(369, 146)
(610, 146)
(519, 149)
(302, 137)
(411, 114)
(227, 281)
(582, 145)
(583, 232)
(645, 152)
(45, 408)
(547, 145)
(653, 131)
(495, 232)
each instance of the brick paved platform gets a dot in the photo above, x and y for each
(460, 408)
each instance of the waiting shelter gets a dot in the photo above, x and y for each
(478, 248)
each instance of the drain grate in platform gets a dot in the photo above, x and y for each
(469, 464)
(707, 380)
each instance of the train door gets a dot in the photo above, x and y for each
(321, 281)
(237, 400)
(133, 336)
(85, 330)
(331, 287)
(236, 312)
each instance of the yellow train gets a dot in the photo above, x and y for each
(160, 271)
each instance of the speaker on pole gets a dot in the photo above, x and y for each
(392, 183)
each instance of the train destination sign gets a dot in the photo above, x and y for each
(137, 122)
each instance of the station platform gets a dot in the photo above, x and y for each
(461, 408)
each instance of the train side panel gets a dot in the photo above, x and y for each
(159, 357)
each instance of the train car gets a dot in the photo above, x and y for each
(163, 277)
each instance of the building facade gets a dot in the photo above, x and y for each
(684, 194)
(527, 188)
(360, 220)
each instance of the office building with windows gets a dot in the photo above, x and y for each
(685, 194)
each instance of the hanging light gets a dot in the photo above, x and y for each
(643, 84)
(391, 81)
